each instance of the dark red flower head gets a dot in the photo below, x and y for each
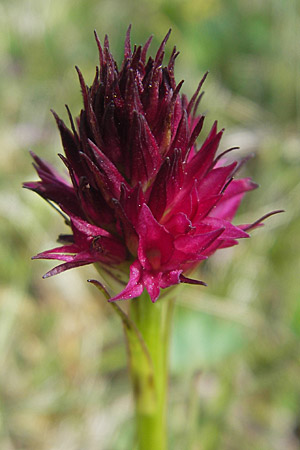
(141, 193)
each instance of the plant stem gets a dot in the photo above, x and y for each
(149, 369)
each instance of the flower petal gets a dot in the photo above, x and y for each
(134, 287)
(155, 243)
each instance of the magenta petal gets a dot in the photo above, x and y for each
(230, 231)
(158, 197)
(134, 287)
(181, 139)
(183, 259)
(202, 161)
(178, 224)
(175, 176)
(155, 244)
(152, 282)
(170, 278)
(214, 181)
(205, 206)
(132, 200)
(232, 197)
(65, 253)
(197, 243)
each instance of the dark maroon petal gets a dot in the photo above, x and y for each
(131, 97)
(181, 138)
(53, 187)
(184, 279)
(70, 146)
(83, 228)
(150, 97)
(195, 133)
(160, 52)
(127, 49)
(145, 156)
(113, 177)
(101, 59)
(111, 139)
(46, 171)
(145, 49)
(195, 96)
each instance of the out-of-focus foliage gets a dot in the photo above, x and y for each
(235, 349)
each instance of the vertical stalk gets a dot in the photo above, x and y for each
(153, 321)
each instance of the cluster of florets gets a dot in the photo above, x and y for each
(141, 191)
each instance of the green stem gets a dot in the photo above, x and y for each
(153, 321)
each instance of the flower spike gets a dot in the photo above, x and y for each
(142, 199)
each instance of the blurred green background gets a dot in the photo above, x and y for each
(235, 350)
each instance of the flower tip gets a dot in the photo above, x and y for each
(78, 70)
(259, 223)
(203, 78)
(106, 42)
(98, 45)
(187, 280)
(167, 36)
(56, 117)
(127, 49)
(272, 213)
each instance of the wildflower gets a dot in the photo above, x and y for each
(142, 196)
